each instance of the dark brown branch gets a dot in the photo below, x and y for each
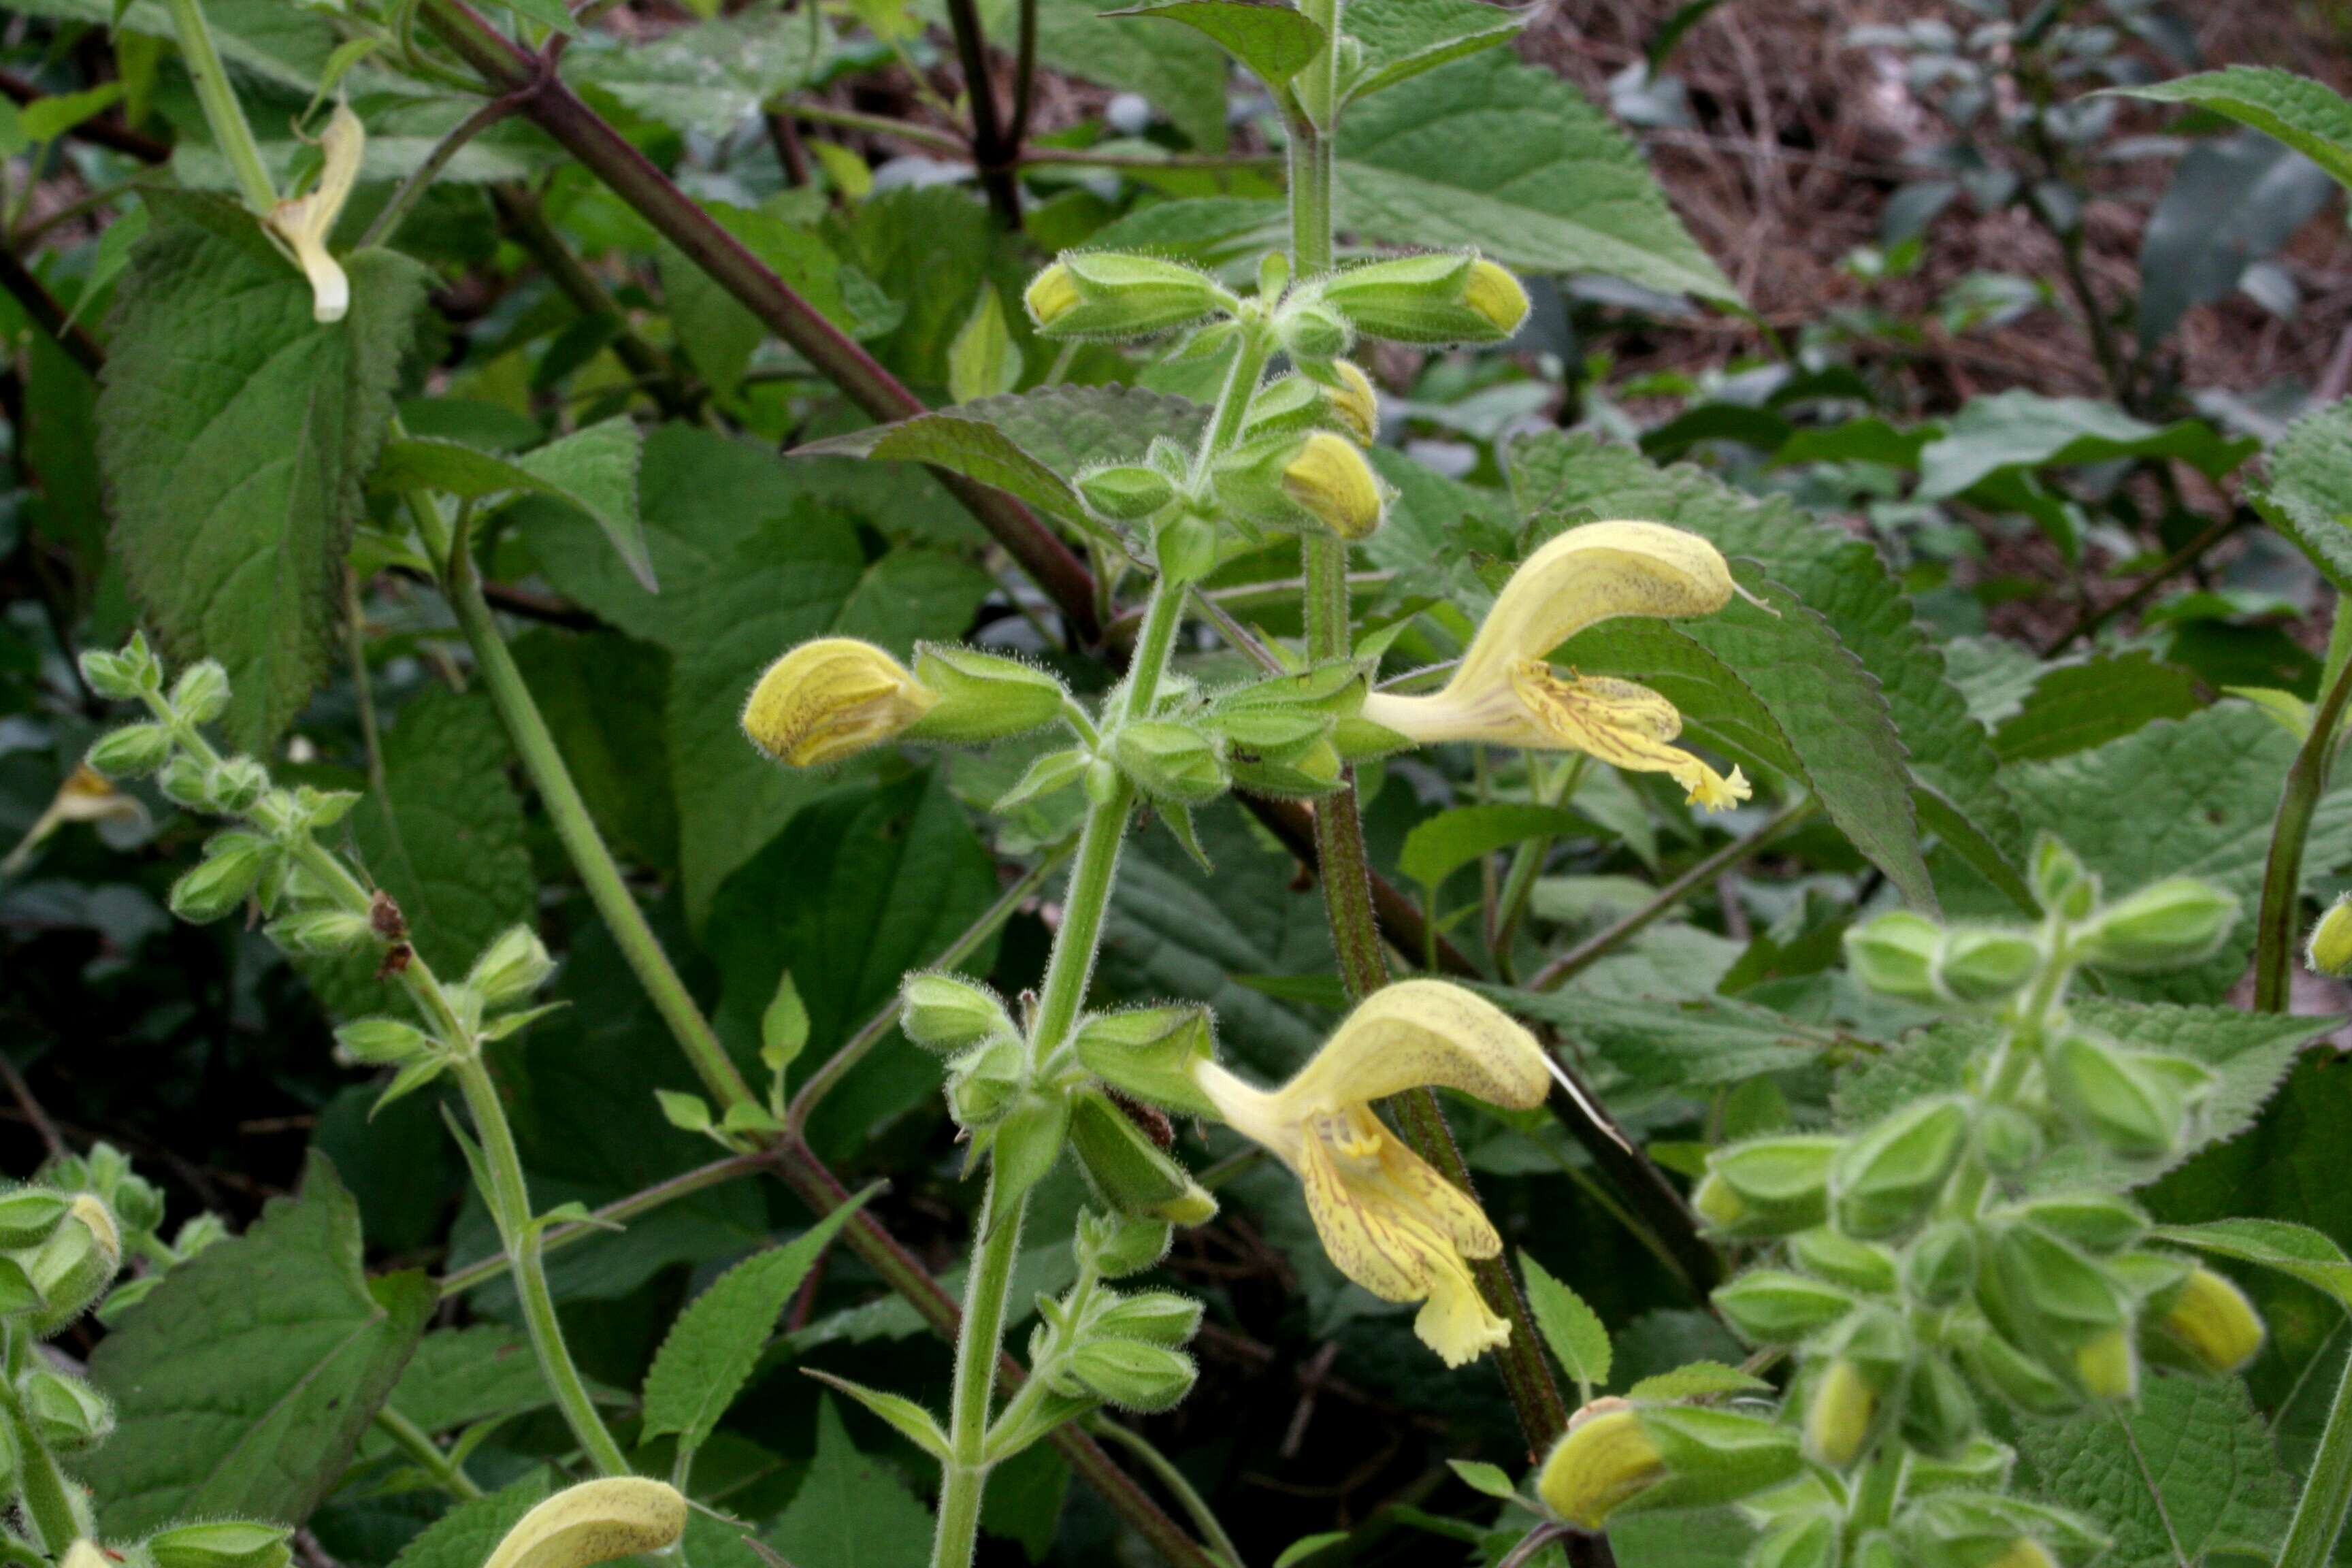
(49, 315)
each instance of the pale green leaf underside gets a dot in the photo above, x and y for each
(2306, 115)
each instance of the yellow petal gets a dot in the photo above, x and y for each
(1331, 479)
(1457, 1322)
(1624, 724)
(1494, 293)
(1587, 575)
(830, 699)
(1355, 402)
(1052, 295)
(1416, 1034)
(1606, 1459)
(306, 224)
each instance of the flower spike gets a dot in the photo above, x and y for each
(1506, 692)
(1391, 1222)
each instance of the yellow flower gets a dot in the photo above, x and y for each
(1506, 693)
(1494, 293)
(1391, 1222)
(1605, 1459)
(2212, 1320)
(831, 698)
(1329, 478)
(1354, 402)
(305, 223)
(595, 1521)
(87, 795)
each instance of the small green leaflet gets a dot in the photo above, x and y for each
(783, 1027)
(1306, 1546)
(1569, 1327)
(712, 1348)
(983, 360)
(1275, 43)
(1445, 843)
(1481, 1476)
(592, 470)
(1697, 1380)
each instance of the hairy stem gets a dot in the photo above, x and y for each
(2306, 781)
(222, 113)
(2319, 1515)
(418, 1445)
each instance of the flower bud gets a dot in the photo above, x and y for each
(984, 1081)
(67, 1414)
(2107, 1366)
(201, 694)
(1769, 1186)
(1354, 402)
(2038, 1290)
(1605, 1459)
(2211, 1322)
(1887, 1176)
(1894, 955)
(1303, 774)
(235, 785)
(1329, 479)
(1126, 493)
(1978, 965)
(1122, 1245)
(1978, 1464)
(222, 881)
(2098, 1222)
(1133, 1375)
(132, 752)
(2165, 925)
(1942, 1264)
(30, 1215)
(1105, 294)
(319, 933)
(1312, 332)
(1170, 761)
(1434, 299)
(1838, 1258)
(2136, 1112)
(1617, 1457)
(595, 1521)
(1149, 1053)
(512, 969)
(981, 697)
(380, 1042)
(2329, 952)
(1155, 1317)
(1770, 1306)
(220, 1543)
(2024, 1382)
(1128, 1171)
(2008, 1139)
(1940, 1414)
(75, 1265)
(1809, 1540)
(1839, 1415)
(2060, 882)
(832, 699)
(186, 781)
(947, 1012)
(116, 676)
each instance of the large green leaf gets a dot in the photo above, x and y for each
(851, 1510)
(1569, 478)
(234, 432)
(2308, 116)
(1647, 1045)
(2074, 706)
(1272, 41)
(1510, 159)
(594, 471)
(1182, 73)
(1402, 39)
(468, 1534)
(750, 566)
(2189, 1470)
(242, 1385)
(2309, 496)
(2020, 429)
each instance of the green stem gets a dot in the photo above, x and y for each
(419, 1446)
(49, 1498)
(591, 857)
(2319, 1515)
(509, 1203)
(222, 113)
(458, 1281)
(1205, 1518)
(963, 1479)
(2306, 781)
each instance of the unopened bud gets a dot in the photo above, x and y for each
(1170, 761)
(319, 934)
(1133, 1375)
(1769, 1186)
(1149, 1053)
(1105, 294)
(984, 1081)
(595, 1521)
(1605, 1460)
(2165, 925)
(2107, 1366)
(2212, 1322)
(1435, 299)
(1770, 1306)
(1808, 1541)
(1894, 955)
(221, 1543)
(2008, 1139)
(75, 1265)
(1618, 1460)
(1126, 493)
(30, 1215)
(1128, 1171)
(1942, 1265)
(981, 697)
(112, 675)
(1122, 1245)
(1979, 965)
(2329, 951)
(2060, 882)
(2098, 1222)
(1940, 1414)
(1838, 1417)
(237, 784)
(1838, 1258)
(2038, 1290)
(380, 1042)
(512, 969)
(66, 1413)
(201, 694)
(1155, 1317)
(2138, 1113)
(1354, 402)
(132, 752)
(1312, 332)
(1329, 479)
(832, 699)
(2024, 1382)
(947, 1012)
(222, 881)
(1887, 1176)
(186, 781)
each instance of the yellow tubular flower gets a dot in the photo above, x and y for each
(1052, 295)
(1494, 293)
(831, 698)
(1506, 693)
(595, 1521)
(307, 223)
(1392, 1224)
(1605, 1459)
(1330, 478)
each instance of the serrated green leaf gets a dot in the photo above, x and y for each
(468, 1534)
(1442, 845)
(1697, 1380)
(234, 432)
(1208, 231)
(710, 1350)
(242, 1385)
(2309, 494)
(2290, 1249)
(1402, 39)
(913, 1422)
(460, 1376)
(2307, 115)
(852, 1511)
(2024, 430)
(1648, 1044)
(1511, 159)
(2074, 707)
(2193, 1464)
(1184, 75)
(1274, 42)
(1570, 1328)
(593, 470)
